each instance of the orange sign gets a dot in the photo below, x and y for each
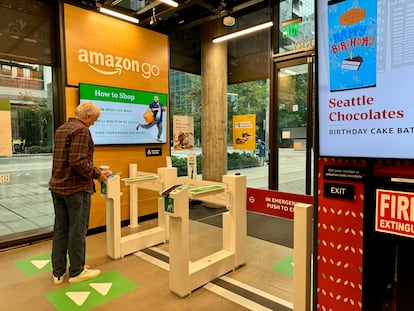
(244, 132)
(107, 51)
(351, 17)
(5, 128)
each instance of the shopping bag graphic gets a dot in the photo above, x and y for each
(148, 116)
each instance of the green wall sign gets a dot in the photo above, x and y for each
(292, 30)
(169, 205)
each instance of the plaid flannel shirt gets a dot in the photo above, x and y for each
(73, 170)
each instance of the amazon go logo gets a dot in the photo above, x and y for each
(108, 64)
(394, 212)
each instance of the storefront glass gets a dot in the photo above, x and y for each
(27, 57)
(26, 145)
(249, 98)
(296, 29)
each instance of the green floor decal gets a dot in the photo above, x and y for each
(89, 294)
(34, 265)
(37, 264)
(285, 266)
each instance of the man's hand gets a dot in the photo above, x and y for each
(104, 175)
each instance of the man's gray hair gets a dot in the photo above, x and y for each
(88, 109)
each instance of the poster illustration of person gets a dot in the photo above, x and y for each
(154, 117)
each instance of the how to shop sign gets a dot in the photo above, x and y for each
(394, 212)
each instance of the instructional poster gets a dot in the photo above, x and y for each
(124, 115)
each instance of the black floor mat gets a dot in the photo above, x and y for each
(273, 229)
(202, 213)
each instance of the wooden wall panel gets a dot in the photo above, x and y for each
(118, 159)
(96, 46)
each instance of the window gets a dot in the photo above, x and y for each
(26, 113)
(243, 98)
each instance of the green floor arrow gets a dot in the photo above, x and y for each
(91, 293)
(285, 266)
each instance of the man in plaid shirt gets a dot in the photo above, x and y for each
(72, 185)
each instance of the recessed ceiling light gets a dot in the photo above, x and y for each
(229, 21)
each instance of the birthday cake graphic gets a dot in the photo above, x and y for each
(352, 63)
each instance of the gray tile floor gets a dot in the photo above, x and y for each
(20, 213)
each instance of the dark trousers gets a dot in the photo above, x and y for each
(157, 123)
(69, 235)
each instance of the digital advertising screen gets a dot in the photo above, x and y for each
(365, 66)
(128, 117)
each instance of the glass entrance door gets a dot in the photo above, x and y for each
(291, 157)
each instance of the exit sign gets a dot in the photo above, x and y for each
(292, 30)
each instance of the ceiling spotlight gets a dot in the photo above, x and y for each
(153, 20)
(229, 21)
